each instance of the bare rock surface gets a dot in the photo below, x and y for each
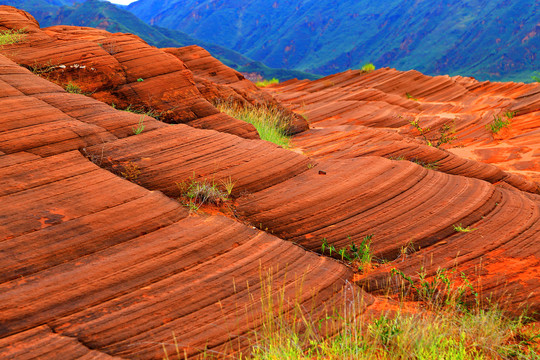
(106, 262)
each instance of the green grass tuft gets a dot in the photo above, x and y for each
(271, 123)
(8, 37)
(265, 83)
(499, 122)
(73, 88)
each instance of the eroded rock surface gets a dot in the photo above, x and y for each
(118, 69)
(96, 266)
(352, 107)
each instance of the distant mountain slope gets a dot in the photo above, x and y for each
(488, 39)
(104, 15)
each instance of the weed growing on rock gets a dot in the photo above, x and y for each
(228, 185)
(271, 123)
(446, 134)
(194, 193)
(459, 228)
(140, 127)
(359, 256)
(130, 171)
(73, 88)
(440, 291)
(368, 67)
(265, 83)
(536, 76)
(141, 111)
(288, 327)
(430, 166)
(410, 97)
(498, 122)
(140, 80)
(8, 37)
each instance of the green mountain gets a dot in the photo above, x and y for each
(104, 15)
(487, 39)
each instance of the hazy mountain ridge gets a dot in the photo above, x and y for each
(472, 37)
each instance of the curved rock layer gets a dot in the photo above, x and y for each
(79, 256)
(405, 206)
(176, 154)
(94, 265)
(120, 268)
(40, 342)
(118, 69)
(390, 99)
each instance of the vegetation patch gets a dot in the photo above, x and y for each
(410, 97)
(500, 122)
(197, 192)
(265, 83)
(357, 256)
(73, 88)
(140, 127)
(448, 329)
(368, 67)
(141, 111)
(8, 37)
(271, 123)
(459, 228)
(446, 134)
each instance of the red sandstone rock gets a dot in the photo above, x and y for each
(350, 100)
(105, 262)
(117, 69)
(218, 82)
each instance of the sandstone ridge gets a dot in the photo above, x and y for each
(96, 266)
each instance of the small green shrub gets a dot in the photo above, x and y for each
(271, 123)
(368, 67)
(430, 166)
(446, 134)
(140, 80)
(410, 97)
(195, 193)
(499, 123)
(73, 88)
(536, 76)
(359, 256)
(8, 37)
(265, 83)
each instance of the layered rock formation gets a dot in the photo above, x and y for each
(96, 266)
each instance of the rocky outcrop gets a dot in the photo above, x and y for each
(97, 266)
(118, 69)
(348, 110)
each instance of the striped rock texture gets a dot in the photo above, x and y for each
(343, 105)
(118, 69)
(95, 266)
